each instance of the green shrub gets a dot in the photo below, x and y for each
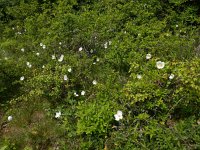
(71, 102)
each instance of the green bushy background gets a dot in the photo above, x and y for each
(115, 36)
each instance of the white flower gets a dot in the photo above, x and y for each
(94, 82)
(44, 46)
(6, 58)
(94, 63)
(65, 77)
(61, 58)
(70, 69)
(106, 45)
(58, 114)
(80, 49)
(22, 78)
(110, 42)
(177, 26)
(60, 43)
(37, 54)
(22, 49)
(171, 76)
(10, 118)
(75, 94)
(148, 56)
(53, 57)
(97, 59)
(160, 64)
(139, 76)
(41, 44)
(28, 64)
(43, 66)
(13, 28)
(118, 116)
(82, 92)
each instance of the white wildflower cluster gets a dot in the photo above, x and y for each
(65, 77)
(10, 118)
(107, 43)
(75, 94)
(28, 64)
(61, 58)
(42, 45)
(139, 76)
(22, 49)
(80, 49)
(171, 76)
(58, 114)
(69, 69)
(82, 93)
(148, 56)
(160, 64)
(94, 82)
(119, 115)
(22, 78)
(53, 57)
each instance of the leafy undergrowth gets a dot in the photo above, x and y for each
(106, 75)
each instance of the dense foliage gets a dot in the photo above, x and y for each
(104, 74)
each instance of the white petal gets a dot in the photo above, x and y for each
(22, 78)
(58, 114)
(53, 57)
(80, 49)
(106, 45)
(82, 92)
(70, 70)
(94, 82)
(65, 77)
(139, 76)
(75, 94)
(10, 118)
(148, 56)
(160, 64)
(61, 58)
(119, 112)
(116, 117)
(171, 76)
